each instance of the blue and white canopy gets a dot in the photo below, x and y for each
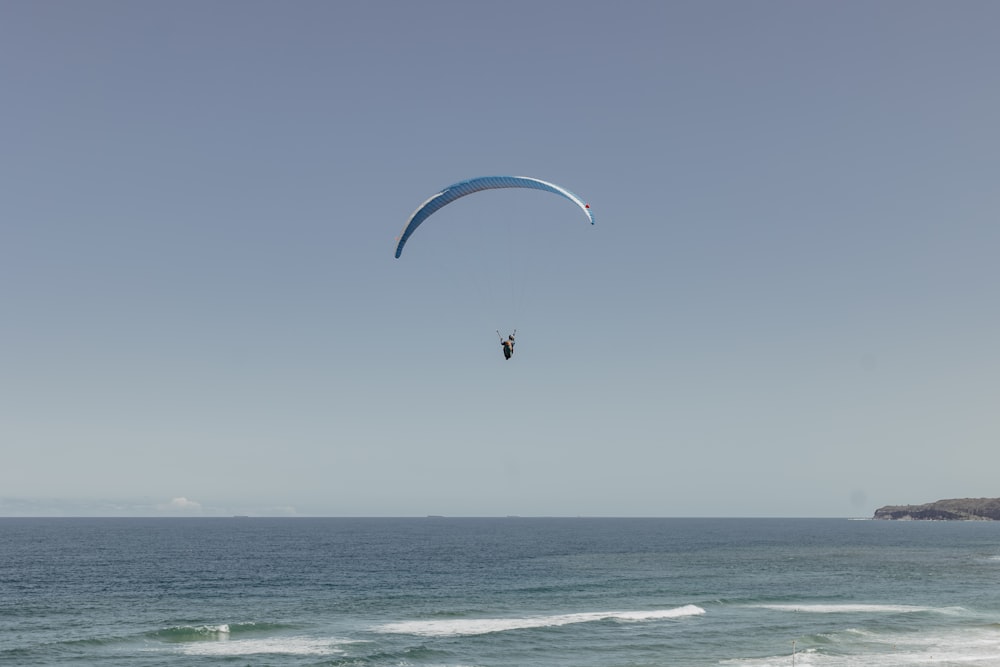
(458, 190)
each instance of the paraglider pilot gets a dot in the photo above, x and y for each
(507, 345)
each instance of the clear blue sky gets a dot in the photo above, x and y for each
(790, 305)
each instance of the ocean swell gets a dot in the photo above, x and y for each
(856, 608)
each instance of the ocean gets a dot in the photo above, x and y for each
(498, 592)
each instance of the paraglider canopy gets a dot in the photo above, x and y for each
(463, 188)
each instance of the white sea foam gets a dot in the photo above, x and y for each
(195, 632)
(979, 647)
(481, 626)
(265, 645)
(222, 629)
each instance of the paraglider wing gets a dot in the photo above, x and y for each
(458, 190)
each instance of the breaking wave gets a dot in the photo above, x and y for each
(209, 632)
(972, 646)
(481, 626)
(184, 633)
(265, 645)
(240, 639)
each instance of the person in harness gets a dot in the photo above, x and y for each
(507, 345)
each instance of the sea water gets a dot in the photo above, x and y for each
(498, 592)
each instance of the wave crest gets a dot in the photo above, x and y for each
(181, 633)
(481, 626)
(266, 646)
(210, 632)
(855, 608)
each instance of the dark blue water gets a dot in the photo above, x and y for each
(498, 592)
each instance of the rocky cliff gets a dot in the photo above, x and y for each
(959, 509)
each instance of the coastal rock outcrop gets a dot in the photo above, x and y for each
(958, 509)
